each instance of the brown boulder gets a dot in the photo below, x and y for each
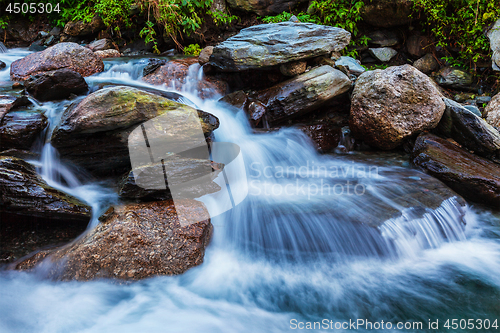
(133, 242)
(391, 105)
(492, 111)
(473, 177)
(63, 55)
(177, 70)
(426, 64)
(264, 7)
(93, 134)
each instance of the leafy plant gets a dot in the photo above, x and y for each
(222, 18)
(192, 49)
(460, 24)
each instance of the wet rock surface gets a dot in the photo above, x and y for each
(20, 129)
(58, 84)
(63, 55)
(181, 169)
(383, 54)
(325, 136)
(492, 112)
(133, 242)
(475, 178)
(94, 133)
(205, 54)
(177, 71)
(384, 38)
(394, 104)
(24, 192)
(102, 45)
(387, 13)
(264, 7)
(469, 130)
(9, 102)
(294, 97)
(268, 45)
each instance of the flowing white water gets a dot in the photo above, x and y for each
(289, 251)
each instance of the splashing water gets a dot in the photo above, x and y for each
(283, 255)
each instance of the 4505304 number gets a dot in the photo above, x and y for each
(32, 8)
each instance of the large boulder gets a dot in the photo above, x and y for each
(494, 36)
(391, 105)
(387, 13)
(469, 130)
(94, 133)
(81, 28)
(492, 111)
(58, 84)
(268, 45)
(426, 64)
(20, 129)
(264, 7)
(63, 55)
(473, 177)
(176, 73)
(292, 98)
(133, 242)
(24, 192)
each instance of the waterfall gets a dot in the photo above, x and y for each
(3, 49)
(292, 250)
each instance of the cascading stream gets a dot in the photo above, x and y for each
(281, 255)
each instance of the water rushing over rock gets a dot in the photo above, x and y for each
(319, 236)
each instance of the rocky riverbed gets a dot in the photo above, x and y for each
(418, 166)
